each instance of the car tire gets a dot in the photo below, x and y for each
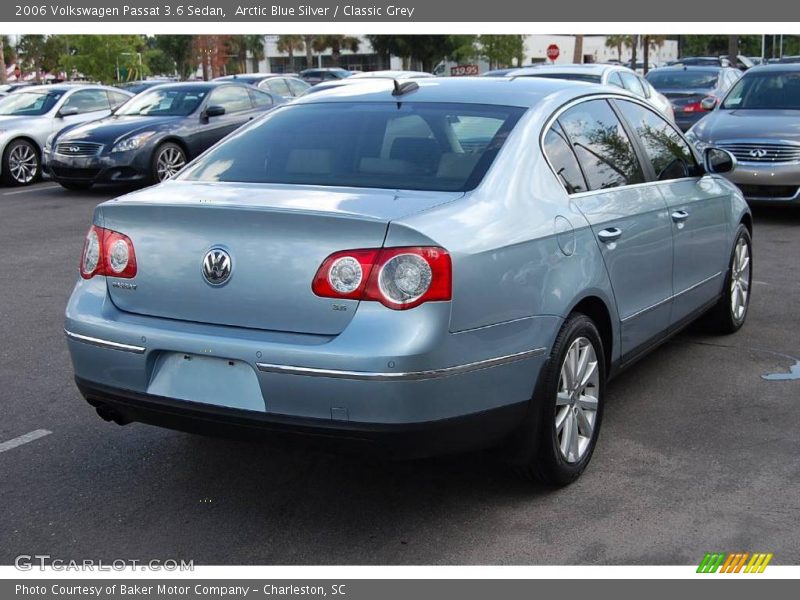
(566, 411)
(729, 314)
(22, 164)
(168, 159)
(75, 186)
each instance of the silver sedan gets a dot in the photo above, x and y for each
(29, 116)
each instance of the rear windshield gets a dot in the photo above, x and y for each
(425, 146)
(679, 79)
(570, 76)
(766, 90)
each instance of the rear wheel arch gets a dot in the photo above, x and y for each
(597, 310)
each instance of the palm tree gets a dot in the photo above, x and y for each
(336, 43)
(288, 44)
(308, 40)
(255, 45)
(617, 42)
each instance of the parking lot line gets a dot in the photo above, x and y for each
(24, 439)
(31, 189)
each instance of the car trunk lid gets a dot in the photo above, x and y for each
(277, 236)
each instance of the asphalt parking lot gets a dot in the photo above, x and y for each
(698, 451)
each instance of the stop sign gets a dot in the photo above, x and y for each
(553, 52)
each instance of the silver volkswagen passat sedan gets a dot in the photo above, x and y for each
(421, 267)
(29, 116)
(759, 123)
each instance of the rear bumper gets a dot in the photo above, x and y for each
(406, 440)
(387, 368)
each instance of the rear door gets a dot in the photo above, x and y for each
(696, 207)
(629, 220)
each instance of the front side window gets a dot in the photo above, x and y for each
(669, 154)
(87, 101)
(559, 152)
(233, 97)
(603, 148)
(412, 146)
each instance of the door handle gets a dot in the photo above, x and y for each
(610, 235)
(679, 216)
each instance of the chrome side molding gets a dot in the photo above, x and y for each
(108, 344)
(401, 376)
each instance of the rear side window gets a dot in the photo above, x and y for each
(669, 154)
(297, 86)
(261, 98)
(559, 152)
(413, 146)
(615, 79)
(603, 148)
(632, 84)
(278, 86)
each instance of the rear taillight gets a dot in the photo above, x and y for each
(399, 278)
(698, 106)
(107, 252)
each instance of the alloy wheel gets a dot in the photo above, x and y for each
(577, 400)
(740, 279)
(170, 161)
(23, 163)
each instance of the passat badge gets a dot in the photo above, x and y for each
(217, 266)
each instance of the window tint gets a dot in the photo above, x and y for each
(233, 97)
(87, 101)
(427, 146)
(261, 98)
(614, 79)
(631, 83)
(298, 86)
(562, 158)
(669, 154)
(603, 148)
(165, 102)
(28, 103)
(278, 86)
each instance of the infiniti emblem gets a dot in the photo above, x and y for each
(758, 153)
(74, 149)
(217, 266)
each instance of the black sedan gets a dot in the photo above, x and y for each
(693, 90)
(153, 136)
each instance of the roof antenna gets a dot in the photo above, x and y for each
(404, 88)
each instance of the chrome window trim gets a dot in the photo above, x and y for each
(673, 297)
(400, 376)
(605, 96)
(101, 343)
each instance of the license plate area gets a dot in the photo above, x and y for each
(206, 379)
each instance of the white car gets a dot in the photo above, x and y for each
(31, 115)
(606, 74)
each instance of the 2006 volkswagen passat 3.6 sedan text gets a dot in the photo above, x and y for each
(423, 267)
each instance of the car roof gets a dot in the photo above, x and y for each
(775, 68)
(62, 88)
(707, 68)
(202, 84)
(499, 91)
(591, 68)
(391, 74)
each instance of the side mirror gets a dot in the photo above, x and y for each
(708, 103)
(214, 110)
(68, 111)
(717, 160)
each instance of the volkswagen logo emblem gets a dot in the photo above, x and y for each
(758, 153)
(217, 266)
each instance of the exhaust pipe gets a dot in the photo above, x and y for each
(109, 414)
